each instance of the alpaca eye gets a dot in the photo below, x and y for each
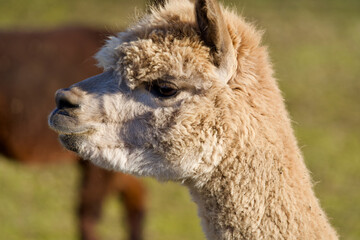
(163, 89)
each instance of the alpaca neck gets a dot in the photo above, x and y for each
(252, 198)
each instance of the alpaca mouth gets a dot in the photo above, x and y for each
(64, 123)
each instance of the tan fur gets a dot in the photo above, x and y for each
(226, 135)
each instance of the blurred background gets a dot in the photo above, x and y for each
(315, 48)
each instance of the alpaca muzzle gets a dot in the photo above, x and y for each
(63, 119)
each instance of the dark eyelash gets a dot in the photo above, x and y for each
(162, 89)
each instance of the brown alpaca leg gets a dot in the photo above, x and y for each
(93, 189)
(132, 193)
(96, 183)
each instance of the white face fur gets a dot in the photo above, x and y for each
(152, 112)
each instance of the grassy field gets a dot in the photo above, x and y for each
(315, 47)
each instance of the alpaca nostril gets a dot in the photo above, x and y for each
(65, 99)
(64, 103)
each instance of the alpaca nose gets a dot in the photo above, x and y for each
(66, 99)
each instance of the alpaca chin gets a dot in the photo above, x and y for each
(70, 141)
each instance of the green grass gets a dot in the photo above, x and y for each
(316, 53)
(36, 203)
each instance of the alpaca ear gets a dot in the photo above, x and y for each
(215, 34)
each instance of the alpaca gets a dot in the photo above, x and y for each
(29, 75)
(188, 95)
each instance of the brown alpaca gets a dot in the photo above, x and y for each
(32, 66)
(188, 95)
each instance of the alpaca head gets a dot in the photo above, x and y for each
(157, 108)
